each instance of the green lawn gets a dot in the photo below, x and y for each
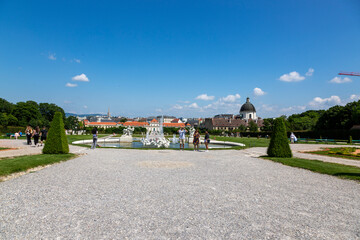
(333, 169)
(2, 148)
(22, 163)
(72, 138)
(249, 142)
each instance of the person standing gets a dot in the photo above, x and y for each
(292, 138)
(36, 135)
(28, 133)
(182, 133)
(207, 140)
(43, 135)
(95, 137)
(196, 140)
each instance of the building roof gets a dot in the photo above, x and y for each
(134, 124)
(102, 123)
(154, 120)
(222, 122)
(247, 107)
(174, 124)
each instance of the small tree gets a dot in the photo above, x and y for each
(279, 143)
(56, 142)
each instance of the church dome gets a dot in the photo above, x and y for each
(247, 107)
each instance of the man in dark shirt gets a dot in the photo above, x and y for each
(43, 135)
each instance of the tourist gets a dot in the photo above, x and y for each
(28, 133)
(43, 135)
(95, 137)
(182, 133)
(293, 138)
(36, 135)
(196, 140)
(17, 135)
(207, 140)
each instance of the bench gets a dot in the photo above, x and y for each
(356, 141)
(325, 140)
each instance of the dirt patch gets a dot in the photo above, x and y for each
(165, 164)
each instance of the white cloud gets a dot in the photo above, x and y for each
(67, 102)
(310, 72)
(340, 80)
(319, 102)
(52, 56)
(158, 110)
(177, 107)
(230, 98)
(85, 106)
(258, 92)
(193, 105)
(291, 77)
(82, 77)
(76, 60)
(71, 85)
(354, 97)
(293, 109)
(205, 97)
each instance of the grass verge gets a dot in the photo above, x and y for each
(333, 169)
(72, 138)
(2, 148)
(23, 163)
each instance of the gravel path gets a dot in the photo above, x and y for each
(21, 148)
(139, 194)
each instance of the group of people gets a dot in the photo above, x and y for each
(196, 139)
(36, 133)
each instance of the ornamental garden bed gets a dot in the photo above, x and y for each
(352, 153)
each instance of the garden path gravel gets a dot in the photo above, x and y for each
(152, 194)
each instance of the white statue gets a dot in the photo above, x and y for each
(128, 131)
(192, 131)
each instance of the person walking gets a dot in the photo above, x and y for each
(36, 135)
(196, 140)
(43, 135)
(182, 133)
(28, 133)
(293, 138)
(207, 140)
(95, 137)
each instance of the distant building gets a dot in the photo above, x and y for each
(226, 116)
(167, 119)
(248, 111)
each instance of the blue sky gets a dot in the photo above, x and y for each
(184, 58)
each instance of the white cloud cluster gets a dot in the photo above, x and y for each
(354, 97)
(205, 97)
(52, 56)
(194, 105)
(82, 78)
(340, 80)
(76, 60)
(230, 98)
(258, 92)
(292, 77)
(330, 101)
(310, 72)
(71, 85)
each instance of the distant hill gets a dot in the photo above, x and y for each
(83, 115)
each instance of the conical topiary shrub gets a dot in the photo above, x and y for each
(56, 139)
(279, 143)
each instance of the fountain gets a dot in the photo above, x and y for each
(155, 135)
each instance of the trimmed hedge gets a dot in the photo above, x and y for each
(56, 142)
(279, 143)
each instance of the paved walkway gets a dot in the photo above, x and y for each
(139, 194)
